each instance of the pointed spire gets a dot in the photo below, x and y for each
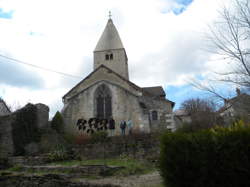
(110, 38)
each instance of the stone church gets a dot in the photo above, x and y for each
(107, 91)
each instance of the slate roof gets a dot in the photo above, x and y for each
(5, 107)
(156, 90)
(110, 38)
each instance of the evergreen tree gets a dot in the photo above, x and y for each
(57, 122)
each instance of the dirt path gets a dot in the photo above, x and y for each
(148, 180)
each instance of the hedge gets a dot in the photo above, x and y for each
(219, 157)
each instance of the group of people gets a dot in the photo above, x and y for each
(94, 124)
(123, 126)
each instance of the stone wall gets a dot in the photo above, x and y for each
(19, 131)
(141, 146)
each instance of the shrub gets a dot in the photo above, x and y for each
(209, 158)
(57, 122)
(99, 136)
(59, 154)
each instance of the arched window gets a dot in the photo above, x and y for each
(154, 115)
(106, 57)
(103, 102)
(111, 56)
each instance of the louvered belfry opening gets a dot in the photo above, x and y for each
(103, 102)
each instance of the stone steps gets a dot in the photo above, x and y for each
(48, 180)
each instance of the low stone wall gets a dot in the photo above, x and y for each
(144, 146)
(6, 140)
(74, 171)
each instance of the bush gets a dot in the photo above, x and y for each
(57, 122)
(99, 136)
(60, 153)
(209, 158)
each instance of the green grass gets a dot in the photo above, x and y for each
(15, 168)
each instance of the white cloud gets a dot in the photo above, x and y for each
(62, 34)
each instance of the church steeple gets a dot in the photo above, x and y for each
(110, 52)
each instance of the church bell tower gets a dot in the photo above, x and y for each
(110, 52)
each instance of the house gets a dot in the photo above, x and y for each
(4, 109)
(236, 107)
(181, 117)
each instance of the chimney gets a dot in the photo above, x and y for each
(238, 91)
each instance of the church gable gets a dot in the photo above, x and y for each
(103, 74)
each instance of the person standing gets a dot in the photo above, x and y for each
(130, 126)
(123, 127)
(111, 126)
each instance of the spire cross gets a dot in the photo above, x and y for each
(110, 15)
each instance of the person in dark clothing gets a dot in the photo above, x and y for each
(111, 126)
(123, 127)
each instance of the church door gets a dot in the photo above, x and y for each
(103, 102)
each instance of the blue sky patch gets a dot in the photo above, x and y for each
(179, 6)
(178, 11)
(184, 2)
(6, 15)
(178, 94)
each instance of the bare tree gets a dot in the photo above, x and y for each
(230, 38)
(202, 112)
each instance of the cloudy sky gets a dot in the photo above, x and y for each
(164, 40)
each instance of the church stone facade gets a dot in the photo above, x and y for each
(107, 92)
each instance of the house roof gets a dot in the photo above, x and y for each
(239, 101)
(4, 104)
(110, 38)
(180, 113)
